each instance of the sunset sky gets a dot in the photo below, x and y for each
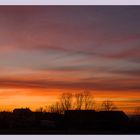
(48, 50)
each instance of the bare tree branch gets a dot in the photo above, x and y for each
(55, 108)
(88, 100)
(108, 105)
(79, 100)
(66, 101)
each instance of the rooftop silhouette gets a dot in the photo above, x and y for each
(24, 121)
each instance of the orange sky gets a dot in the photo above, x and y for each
(34, 98)
(45, 51)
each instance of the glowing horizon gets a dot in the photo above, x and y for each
(48, 50)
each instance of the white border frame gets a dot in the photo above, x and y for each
(70, 137)
(69, 2)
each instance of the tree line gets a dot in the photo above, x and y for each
(83, 100)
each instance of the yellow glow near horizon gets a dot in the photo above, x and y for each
(34, 99)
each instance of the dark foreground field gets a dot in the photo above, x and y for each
(24, 121)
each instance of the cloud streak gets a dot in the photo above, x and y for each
(70, 47)
(93, 84)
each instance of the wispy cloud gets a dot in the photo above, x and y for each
(70, 48)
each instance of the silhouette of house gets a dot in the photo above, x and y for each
(22, 111)
(117, 116)
(85, 119)
(79, 118)
(112, 119)
(23, 117)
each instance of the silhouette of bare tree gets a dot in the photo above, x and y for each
(108, 105)
(55, 108)
(84, 100)
(79, 100)
(66, 101)
(88, 100)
